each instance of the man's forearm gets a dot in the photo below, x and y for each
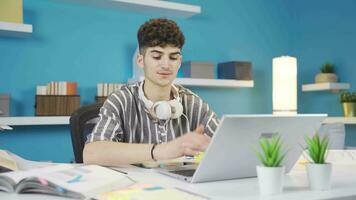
(115, 153)
(109, 153)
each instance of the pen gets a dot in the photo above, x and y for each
(115, 169)
(123, 172)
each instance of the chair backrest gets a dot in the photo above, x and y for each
(82, 122)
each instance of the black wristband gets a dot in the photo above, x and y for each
(152, 156)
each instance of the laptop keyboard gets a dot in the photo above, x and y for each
(185, 172)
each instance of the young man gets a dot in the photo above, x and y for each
(153, 119)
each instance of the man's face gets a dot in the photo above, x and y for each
(160, 64)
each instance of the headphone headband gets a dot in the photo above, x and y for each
(163, 110)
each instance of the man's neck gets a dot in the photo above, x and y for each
(156, 92)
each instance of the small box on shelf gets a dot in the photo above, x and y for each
(11, 11)
(56, 105)
(237, 70)
(4, 105)
(194, 69)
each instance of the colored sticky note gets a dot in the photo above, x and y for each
(199, 157)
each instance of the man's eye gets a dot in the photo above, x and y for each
(173, 58)
(157, 57)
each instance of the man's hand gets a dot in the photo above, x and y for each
(189, 144)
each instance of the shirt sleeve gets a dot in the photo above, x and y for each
(109, 126)
(199, 113)
(209, 119)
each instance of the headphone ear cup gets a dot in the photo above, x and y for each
(177, 108)
(162, 110)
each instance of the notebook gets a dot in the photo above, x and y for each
(65, 180)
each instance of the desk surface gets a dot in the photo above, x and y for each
(295, 187)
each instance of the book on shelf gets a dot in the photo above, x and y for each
(73, 181)
(57, 88)
(105, 89)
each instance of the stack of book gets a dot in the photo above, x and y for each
(58, 98)
(105, 89)
(57, 88)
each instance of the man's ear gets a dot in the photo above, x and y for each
(180, 61)
(139, 60)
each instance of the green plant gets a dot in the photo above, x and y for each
(348, 97)
(316, 148)
(271, 155)
(327, 68)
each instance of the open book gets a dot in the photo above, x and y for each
(66, 180)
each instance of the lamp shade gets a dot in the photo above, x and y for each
(284, 75)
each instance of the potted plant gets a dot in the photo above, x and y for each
(270, 174)
(327, 74)
(348, 102)
(318, 171)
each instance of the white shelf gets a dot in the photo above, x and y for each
(21, 121)
(344, 120)
(227, 83)
(163, 8)
(15, 29)
(325, 86)
(214, 82)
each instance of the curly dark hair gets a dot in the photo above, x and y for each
(159, 32)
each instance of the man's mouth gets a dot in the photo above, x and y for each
(164, 73)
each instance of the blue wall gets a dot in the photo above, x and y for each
(89, 44)
(324, 31)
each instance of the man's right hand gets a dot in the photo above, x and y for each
(190, 144)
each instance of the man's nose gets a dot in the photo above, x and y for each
(165, 62)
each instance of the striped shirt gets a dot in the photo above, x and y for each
(123, 118)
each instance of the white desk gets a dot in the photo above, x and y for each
(343, 186)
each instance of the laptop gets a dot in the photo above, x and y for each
(231, 152)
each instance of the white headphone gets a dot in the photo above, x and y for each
(162, 110)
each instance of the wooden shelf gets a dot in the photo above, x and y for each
(23, 121)
(199, 82)
(325, 86)
(15, 29)
(163, 8)
(344, 120)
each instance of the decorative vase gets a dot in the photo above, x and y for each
(319, 176)
(270, 179)
(325, 78)
(349, 109)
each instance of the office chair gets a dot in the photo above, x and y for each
(82, 122)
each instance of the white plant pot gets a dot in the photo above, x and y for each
(326, 78)
(319, 176)
(270, 179)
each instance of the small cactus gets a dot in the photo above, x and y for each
(327, 68)
(348, 97)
